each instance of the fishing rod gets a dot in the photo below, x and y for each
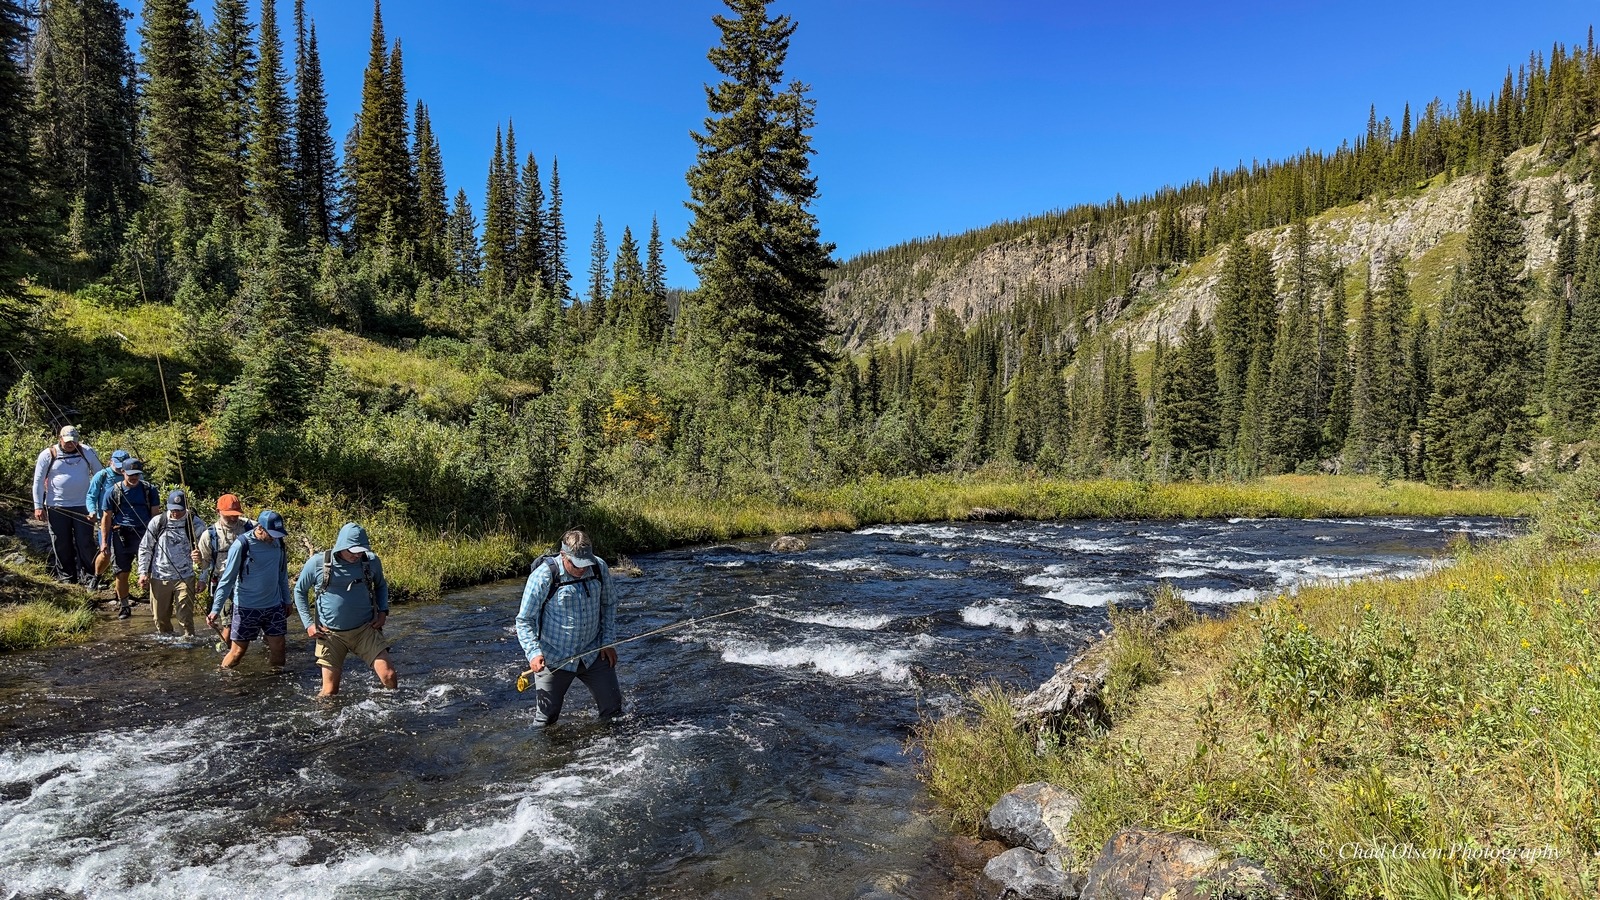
(522, 680)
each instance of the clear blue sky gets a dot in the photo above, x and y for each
(934, 116)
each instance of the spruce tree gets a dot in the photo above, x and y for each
(496, 229)
(598, 315)
(1367, 389)
(432, 214)
(1334, 365)
(85, 114)
(1191, 415)
(461, 242)
(510, 197)
(655, 285)
(382, 169)
(271, 145)
(557, 277)
(177, 127)
(19, 189)
(1562, 294)
(629, 302)
(532, 251)
(316, 173)
(1578, 378)
(230, 97)
(753, 239)
(1292, 415)
(1477, 424)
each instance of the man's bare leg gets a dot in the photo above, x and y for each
(382, 668)
(236, 651)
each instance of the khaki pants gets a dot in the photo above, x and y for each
(167, 597)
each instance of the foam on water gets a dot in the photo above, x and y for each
(837, 658)
(857, 621)
(54, 839)
(1002, 613)
(1058, 585)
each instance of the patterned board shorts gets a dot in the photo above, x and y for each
(247, 623)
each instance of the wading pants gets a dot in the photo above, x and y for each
(167, 597)
(600, 679)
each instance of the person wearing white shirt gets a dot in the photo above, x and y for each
(60, 489)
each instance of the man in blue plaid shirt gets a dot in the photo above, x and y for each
(569, 611)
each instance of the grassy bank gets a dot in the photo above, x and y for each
(1428, 737)
(34, 611)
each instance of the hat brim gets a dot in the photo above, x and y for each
(276, 534)
(133, 471)
(360, 549)
(579, 561)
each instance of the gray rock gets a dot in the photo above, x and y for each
(1034, 815)
(987, 514)
(788, 544)
(1138, 863)
(1022, 874)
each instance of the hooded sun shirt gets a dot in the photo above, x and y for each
(254, 575)
(346, 603)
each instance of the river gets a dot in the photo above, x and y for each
(763, 755)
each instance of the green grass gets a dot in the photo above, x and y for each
(440, 385)
(1456, 712)
(1430, 273)
(35, 612)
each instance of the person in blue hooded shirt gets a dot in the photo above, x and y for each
(343, 599)
(256, 579)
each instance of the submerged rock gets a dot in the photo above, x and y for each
(1034, 815)
(1138, 863)
(788, 544)
(1022, 874)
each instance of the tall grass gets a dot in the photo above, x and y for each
(35, 612)
(1437, 736)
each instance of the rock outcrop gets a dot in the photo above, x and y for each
(1034, 816)
(788, 544)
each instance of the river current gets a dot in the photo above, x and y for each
(763, 754)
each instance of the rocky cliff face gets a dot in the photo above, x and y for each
(1428, 230)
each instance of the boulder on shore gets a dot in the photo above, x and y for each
(989, 514)
(1022, 874)
(1033, 815)
(1138, 863)
(788, 544)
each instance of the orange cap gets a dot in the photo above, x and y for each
(228, 503)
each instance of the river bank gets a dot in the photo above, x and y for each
(423, 563)
(1426, 736)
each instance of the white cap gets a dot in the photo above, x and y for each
(69, 433)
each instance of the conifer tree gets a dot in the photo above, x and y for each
(461, 242)
(382, 167)
(177, 127)
(230, 96)
(557, 277)
(532, 252)
(85, 115)
(598, 315)
(429, 166)
(1334, 365)
(1292, 414)
(1477, 427)
(316, 174)
(753, 238)
(496, 230)
(1578, 369)
(19, 200)
(655, 285)
(1191, 421)
(1367, 431)
(629, 302)
(510, 197)
(271, 146)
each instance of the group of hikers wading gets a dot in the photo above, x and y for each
(111, 520)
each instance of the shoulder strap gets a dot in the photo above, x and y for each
(550, 563)
(161, 526)
(327, 572)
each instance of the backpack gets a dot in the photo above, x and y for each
(120, 490)
(327, 575)
(56, 456)
(158, 527)
(556, 573)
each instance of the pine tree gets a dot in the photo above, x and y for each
(496, 230)
(1576, 383)
(510, 197)
(85, 115)
(403, 205)
(176, 126)
(230, 96)
(1477, 426)
(271, 146)
(1367, 389)
(316, 175)
(429, 166)
(1191, 420)
(1334, 365)
(598, 315)
(1292, 414)
(753, 239)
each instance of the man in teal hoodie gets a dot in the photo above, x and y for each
(256, 579)
(343, 600)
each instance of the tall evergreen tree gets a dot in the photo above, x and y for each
(1477, 424)
(230, 97)
(753, 239)
(1367, 389)
(176, 123)
(19, 200)
(461, 242)
(655, 284)
(86, 120)
(532, 249)
(315, 167)
(557, 277)
(510, 198)
(497, 227)
(382, 181)
(1333, 355)
(271, 145)
(1293, 415)
(432, 214)
(1190, 418)
(629, 301)
(598, 314)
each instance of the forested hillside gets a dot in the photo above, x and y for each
(196, 267)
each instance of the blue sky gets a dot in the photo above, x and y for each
(934, 116)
